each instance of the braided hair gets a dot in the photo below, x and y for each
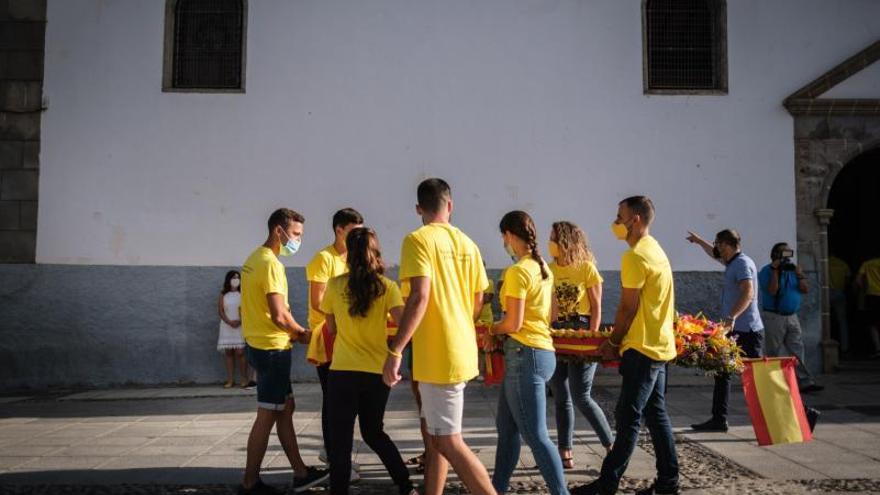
(520, 224)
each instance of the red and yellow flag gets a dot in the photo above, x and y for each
(774, 401)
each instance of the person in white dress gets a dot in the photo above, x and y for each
(230, 341)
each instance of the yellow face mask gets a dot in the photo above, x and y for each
(553, 249)
(619, 230)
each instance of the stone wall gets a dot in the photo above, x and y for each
(110, 325)
(22, 33)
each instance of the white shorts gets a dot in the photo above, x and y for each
(442, 407)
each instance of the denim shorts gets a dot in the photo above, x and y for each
(273, 377)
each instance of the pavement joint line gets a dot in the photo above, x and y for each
(218, 442)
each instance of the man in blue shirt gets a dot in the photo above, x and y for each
(739, 308)
(782, 284)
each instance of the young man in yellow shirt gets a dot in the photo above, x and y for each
(268, 328)
(643, 340)
(327, 263)
(446, 277)
(868, 281)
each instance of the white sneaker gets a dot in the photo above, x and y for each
(322, 456)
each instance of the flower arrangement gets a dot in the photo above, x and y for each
(581, 345)
(491, 356)
(704, 344)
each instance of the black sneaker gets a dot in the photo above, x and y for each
(711, 425)
(259, 488)
(313, 477)
(588, 489)
(653, 489)
(812, 417)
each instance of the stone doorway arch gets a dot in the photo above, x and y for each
(828, 134)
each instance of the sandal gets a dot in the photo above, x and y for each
(418, 460)
(567, 461)
(227, 384)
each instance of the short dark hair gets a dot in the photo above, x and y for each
(347, 216)
(641, 206)
(282, 218)
(774, 251)
(433, 194)
(729, 237)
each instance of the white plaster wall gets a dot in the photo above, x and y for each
(518, 103)
(863, 84)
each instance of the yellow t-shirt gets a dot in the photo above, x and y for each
(871, 270)
(646, 267)
(583, 276)
(487, 317)
(445, 345)
(361, 341)
(839, 273)
(262, 274)
(326, 264)
(523, 281)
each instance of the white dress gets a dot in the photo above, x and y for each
(230, 338)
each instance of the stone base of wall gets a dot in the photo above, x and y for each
(71, 326)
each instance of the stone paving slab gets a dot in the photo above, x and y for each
(196, 436)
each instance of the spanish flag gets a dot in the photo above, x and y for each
(774, 401)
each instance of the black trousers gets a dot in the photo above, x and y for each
(752, 343)
(323, 373)
(353, 394)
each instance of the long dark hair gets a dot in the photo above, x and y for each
(365, 269)
(227, 282)
(520, 224)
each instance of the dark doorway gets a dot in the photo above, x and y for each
(854, 237)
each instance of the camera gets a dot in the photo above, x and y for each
(785, 263)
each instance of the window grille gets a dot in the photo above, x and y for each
(685, 45)
(208, 44)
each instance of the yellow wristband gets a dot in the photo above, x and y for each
(395, 354)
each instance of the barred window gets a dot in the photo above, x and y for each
(685, 46)
(207, 45)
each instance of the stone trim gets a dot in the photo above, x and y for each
(807, 101)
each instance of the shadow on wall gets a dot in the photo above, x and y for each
(88, 326)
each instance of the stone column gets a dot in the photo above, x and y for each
(23, 25)
(830, 347)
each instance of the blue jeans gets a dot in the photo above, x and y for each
(642, 393)
(578, 379)
(522, 411)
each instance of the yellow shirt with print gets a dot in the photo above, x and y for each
(871, 271)
(646, 267)
(444, 344)
(262, 274)
(583, 276)
(326, 264)
(487, 317)
(361, 342)
(523, 281)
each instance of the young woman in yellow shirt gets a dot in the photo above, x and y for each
(357, 305)
(529, 358)
(573, 264)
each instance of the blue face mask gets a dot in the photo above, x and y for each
(291, 246)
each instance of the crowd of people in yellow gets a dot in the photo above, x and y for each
(443, 290)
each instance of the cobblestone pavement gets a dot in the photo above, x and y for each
(190, 440)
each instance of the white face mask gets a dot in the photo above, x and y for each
(235, 283)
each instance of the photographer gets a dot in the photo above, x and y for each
(782, 284)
